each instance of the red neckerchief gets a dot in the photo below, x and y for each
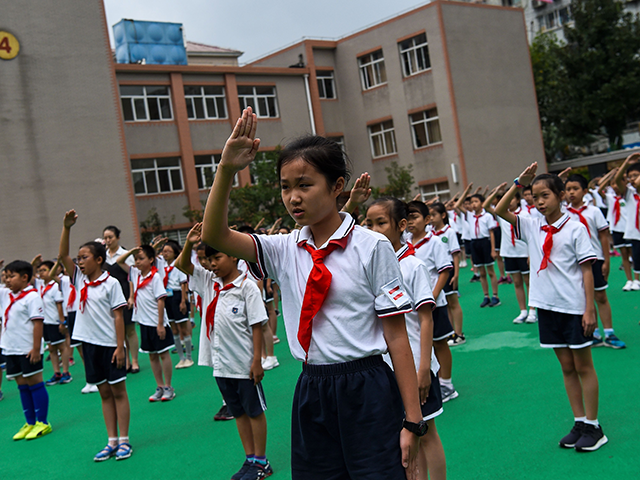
(548, 244)
(477, 229)
(167, 272)
(636, 197)
(408, 252)
(84, 292)
(13, 299)
(529, 208)
(143, 283)
(72, 296)
(422, 242)
(44, 290)
(317, 288)
(578, 212)
(513, 232)
(616, 210)
(440, 232)
(211, 308)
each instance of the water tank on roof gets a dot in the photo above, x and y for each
(156, 43)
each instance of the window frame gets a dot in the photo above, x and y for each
(411, 53)
(426, 196)
(425, 121)
(382, 134)
(191, 99)
(256, 103)
(323, 77)
(366, 61)
(146, 98)
(201, 174)
(156, 171)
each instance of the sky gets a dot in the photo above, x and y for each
(258, 27)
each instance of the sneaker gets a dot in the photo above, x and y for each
(168, 394)
(569, 440)
(72, 362)
(243, 470)
(495, 301)
(66, 378)
(26, 428)
(174, 351)
(474, 279)
(156, 397)
(628, 286)
(270, 363)
(89, 389)
(223, 414)
(188, 363)
(592, 439)
(456, 340)
(39, 430)
(531, 318)
(180, 364)
(521, 318)
(54, 380)
(257, 471)
(463, 264)
(448, 393)
(485, 302)
(276, 340)
(597, 342)
(636, 285)
(613, 342)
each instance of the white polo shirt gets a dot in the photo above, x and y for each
(480, 225)
(597, 223)
(111, 259)
(610, 200)
(366, 286)
(560, 286)
(96, 324)
(631, 232)
(464, 222)
(532, 211)
(176, 278)
(145, 311)
(65, 285)
(50, 300)
(455, 221)
(436, 257)
(507, 248)
(229, 350)
(448, 236)
(17, 331)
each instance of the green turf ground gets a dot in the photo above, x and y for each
(506, 423)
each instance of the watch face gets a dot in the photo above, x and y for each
(423, 427)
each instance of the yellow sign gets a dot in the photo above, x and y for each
(9, 46)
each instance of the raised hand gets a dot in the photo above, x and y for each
(361, 192)
(70, 218)
(564, 174)
(241, 146)
(195, 233)
(528, 174)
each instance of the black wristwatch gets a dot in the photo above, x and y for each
(419, 429)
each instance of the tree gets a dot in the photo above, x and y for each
(152, 225)
(400, 183)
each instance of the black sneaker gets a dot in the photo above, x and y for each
(223, 414)
(244, 469)
(256, 471)
(592, 439)
(495, 301)
(485, 302)
(569, 440)
(474, 279)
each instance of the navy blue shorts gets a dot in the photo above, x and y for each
(99, 366)
(635, 255)
(516, 265)
(599, 282)
(497, 236)
(467, 247)
(52, 335)
(433, 407)
(561, 330)
(242, 396)
(481, 252)
(441, 325)
(172, 306)
(71, 323)
(450, 288)
(150, 341)
(20, 365)
(346, 422)
(619, 241)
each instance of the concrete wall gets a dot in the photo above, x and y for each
(61, 145)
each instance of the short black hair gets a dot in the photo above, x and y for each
(396, 208)
(149, 252)
(175, 246)
(442, 210)
(208, 251)
(635, 167)
(576, 177)
(114, 229)
(47, 263)
(246, 229)
(418, 207)
(97, 249)
(21, 268)
(528, 187)
(479, 196)
(552, 182)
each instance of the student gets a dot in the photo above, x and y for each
(598, 229)
(147, 301)
(388, 216)
(629, 191)
(100, 328)
(343, 306)
(482, 247)
(562, 289)
(54, 328)
(516, 255)
(22, 325)
(233, 323)
(496, 231)
(175, 283)
(527, 203)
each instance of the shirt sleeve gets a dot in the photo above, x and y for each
(116, 297)
(422, 291)
(158, 287)
(523, 227)
(197, 280)
(182, 277)
(385, 279)
(442, 258)
(601, 222)
(271, 255)
(256, 313)
(582, 244)
(452, 242)
(36, 307)
(57, 296)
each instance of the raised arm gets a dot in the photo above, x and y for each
(183, 262)
(360, 193)
(465, 193)
(606, 181)
(274, 228)
(69, 221)
(122, 259)
(238, 153)
(619, 177)
(525, 179)
(489, 200)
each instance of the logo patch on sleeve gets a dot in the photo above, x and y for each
(394, 292)
(234, 310)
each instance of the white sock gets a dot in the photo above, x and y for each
(187, 345)
(123, 440)
(592, 422)
(523, 313)
(113, 441)
(446, 381)
(580, 419)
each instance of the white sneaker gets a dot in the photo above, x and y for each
(89, 389)
(180, 364)
(521, 318)
(531, 318)
(636, 285)
(187, 363)
(463, 264)
(270, 363)
(628, 286)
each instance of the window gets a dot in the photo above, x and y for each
(372, 70)
(440, 189)
(156, 175)
(425, 127)
(205, 102)
(383, 139)
(206, 166)
(414, 53)
(326, 87)
(141, 104)
(261, 99)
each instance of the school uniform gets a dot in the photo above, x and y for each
(231, 312)
(497, 234)
(617, 218)
(479, 230)
(51, 297)
(632, 231)
(347, 408)
(465, 232)
(455, 221)
(173, 281)
(19, 311)
(530, 210)
(148, 289)
(556, 285)
(513, 250)
(593, 220)
(95, 326)
(449, 237)
(69, 306)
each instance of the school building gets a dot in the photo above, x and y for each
(446, 88)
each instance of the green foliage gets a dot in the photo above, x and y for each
(400, 183)
(194, 216)
(588, 86)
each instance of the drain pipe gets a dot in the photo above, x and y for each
(309, 105)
